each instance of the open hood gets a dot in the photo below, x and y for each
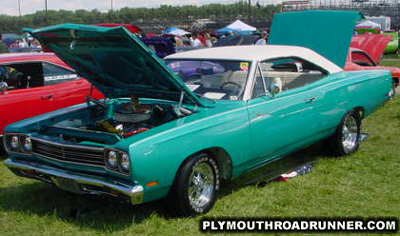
(114, 61)
(373, 44)
(326, 32)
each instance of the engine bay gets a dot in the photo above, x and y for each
(121, 118)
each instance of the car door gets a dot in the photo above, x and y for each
(45, 87)
(284, 120)
(24, 95)
(64, 88)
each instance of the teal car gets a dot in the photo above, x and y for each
(155, 137)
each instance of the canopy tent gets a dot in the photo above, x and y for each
(175, 31)
(239, 27)
(226, 30)
(368, 25)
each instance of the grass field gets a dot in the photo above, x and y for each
(366, 184)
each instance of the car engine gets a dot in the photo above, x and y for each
(124, 119)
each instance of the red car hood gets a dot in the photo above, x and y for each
(373, 44)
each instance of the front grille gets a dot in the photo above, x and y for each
(69, 153)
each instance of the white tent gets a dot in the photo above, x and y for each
(368, 24)
(240, 26)
(175, 31)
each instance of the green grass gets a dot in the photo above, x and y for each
(390, 62)
(365, 184)
(391, 56)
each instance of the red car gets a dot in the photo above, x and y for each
(35, 83)
(365, 53)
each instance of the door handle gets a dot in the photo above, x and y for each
(47, 97)
(309, 100)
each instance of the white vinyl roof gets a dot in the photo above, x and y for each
(258, 53)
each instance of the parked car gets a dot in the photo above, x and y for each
(155, 137)
(393, 45)
(365, 53)
(35, 83)
(360, 60)
(9, 38)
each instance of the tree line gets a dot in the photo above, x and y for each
(162, 15)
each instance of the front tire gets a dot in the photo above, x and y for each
(196, 186)
(347, 136)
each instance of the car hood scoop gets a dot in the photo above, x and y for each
(115, 61)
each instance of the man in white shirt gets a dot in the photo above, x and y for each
(195, 42)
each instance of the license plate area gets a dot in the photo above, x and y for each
(68, 185)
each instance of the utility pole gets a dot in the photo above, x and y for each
(249, 11)
(112, 7)
(19, 8)
(46, 21)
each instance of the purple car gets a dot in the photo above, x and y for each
(191, 71)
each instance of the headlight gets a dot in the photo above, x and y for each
(111, 159)
(14, 142)
(117, 161)
(124, 162)
(27, 144)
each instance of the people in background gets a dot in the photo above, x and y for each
(179, 41)
(208, 42)
(194, 41)
(15, 44)
(263, 39)
(3, 46)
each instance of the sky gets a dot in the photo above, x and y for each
(10, 7)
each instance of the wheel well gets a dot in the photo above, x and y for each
(223, 159)
(395, 81)
(360, 111)
(221, 156)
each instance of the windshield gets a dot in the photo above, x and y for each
(213, 79)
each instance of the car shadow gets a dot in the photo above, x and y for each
(95, 212)
(272, 170)
(98, 212)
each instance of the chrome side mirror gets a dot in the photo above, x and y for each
(3, 87)
(276, 86)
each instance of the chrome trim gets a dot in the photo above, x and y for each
(102, 149)
(250, 81)
(68, 145)
(134, 193)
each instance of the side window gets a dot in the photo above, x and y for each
(284, 74)
(361, 59)
(55, 74)
(22, 75)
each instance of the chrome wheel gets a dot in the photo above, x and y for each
(350, 134)
(201, 185)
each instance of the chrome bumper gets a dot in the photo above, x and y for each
(80, 184)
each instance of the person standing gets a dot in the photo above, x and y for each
(195, 42)
(262, 40)
(3, 46)
(208, 42)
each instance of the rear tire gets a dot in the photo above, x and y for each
(196, 186)
(395, 83)
(347, 136)
(2, 149)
